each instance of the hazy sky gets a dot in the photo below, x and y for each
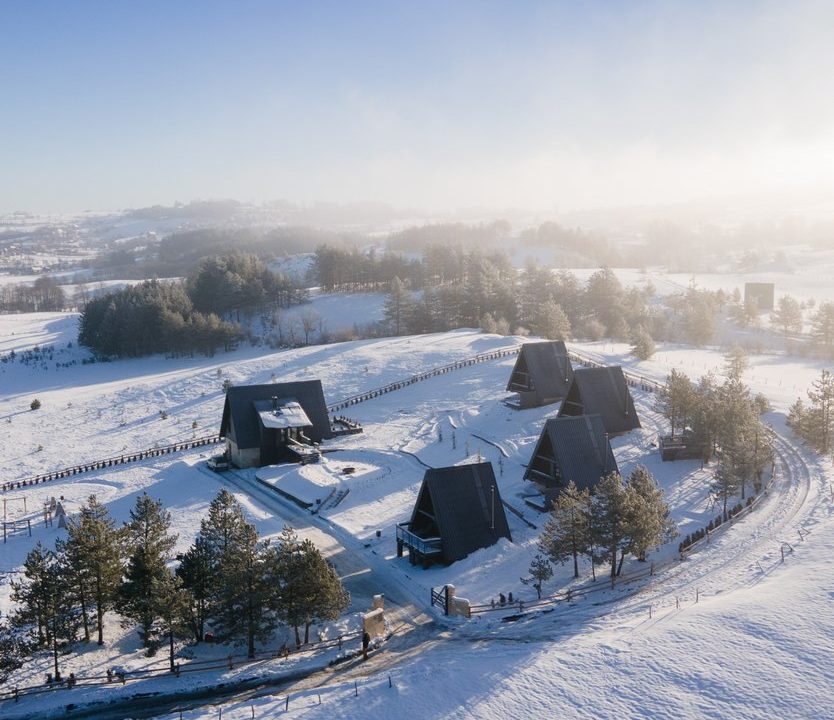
(557, 106)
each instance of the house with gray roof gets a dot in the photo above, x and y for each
(542, 374)
(458, 511)
(571, 449)
(602, 391)
(267, 424)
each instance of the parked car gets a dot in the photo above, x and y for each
(218, 463)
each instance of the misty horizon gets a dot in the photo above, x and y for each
(549, 109)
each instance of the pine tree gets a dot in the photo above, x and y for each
(642, 343)
(32, 595)
(398, 306)
(173, 609)
(306, 587)
(787, 316)
(327, 597)
(223, 532)
(78, 576)
(726, 484)
(243, 592)
(611, 519)
(551, 322)
(676, 400)
(540, 572)
(736, 362)
(821, 396)
(798, 418)
(822, 328)
(94, 549)
(149, 546)
(651, 523)
(46, 601)
(199, 580)
(705, 415)
(565, 534)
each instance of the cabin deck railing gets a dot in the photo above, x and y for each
(426, 546)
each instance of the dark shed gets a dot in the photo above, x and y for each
(602, 391)
(760, 294)
(542, 373)
(571, 448)
(458, 511)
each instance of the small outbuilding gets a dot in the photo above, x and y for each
(267, 424)
(760, 295)
(602, 391)
(571, 449)
(458, 511)
(541, 375)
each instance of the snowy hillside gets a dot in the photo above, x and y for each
(680, 662)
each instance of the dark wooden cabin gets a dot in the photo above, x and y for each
(267, 424)
(542, 374)
(602, 391)
(571, 448)
(458, 511)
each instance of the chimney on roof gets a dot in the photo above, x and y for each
(274, 402)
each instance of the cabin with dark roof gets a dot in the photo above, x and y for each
(602, 391)
(458, 511)
(267, 424)
(571, 449)
(541, 375)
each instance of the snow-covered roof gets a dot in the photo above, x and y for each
(282, 414)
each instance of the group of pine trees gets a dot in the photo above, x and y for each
(479, 290)
(181, 318)
(721, 420)
(620, 518)
(229, 582)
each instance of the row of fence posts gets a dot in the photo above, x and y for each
(110, 462)
(287, 701)
(356, 399)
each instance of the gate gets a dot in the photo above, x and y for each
(440, 598)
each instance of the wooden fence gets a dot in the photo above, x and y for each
(110, 462)
(434, 372)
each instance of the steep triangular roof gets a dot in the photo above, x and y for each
(603, 391)
(461, 501)
(241, 421)
(579, 445)
(548, 366)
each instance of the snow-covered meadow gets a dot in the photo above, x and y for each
(741, 625)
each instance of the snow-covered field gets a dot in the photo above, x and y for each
(754, 646)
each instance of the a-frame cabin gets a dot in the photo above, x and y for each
(266, 424)
(458, 511)
(602, 391)
(542, 374)
(571, 449)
